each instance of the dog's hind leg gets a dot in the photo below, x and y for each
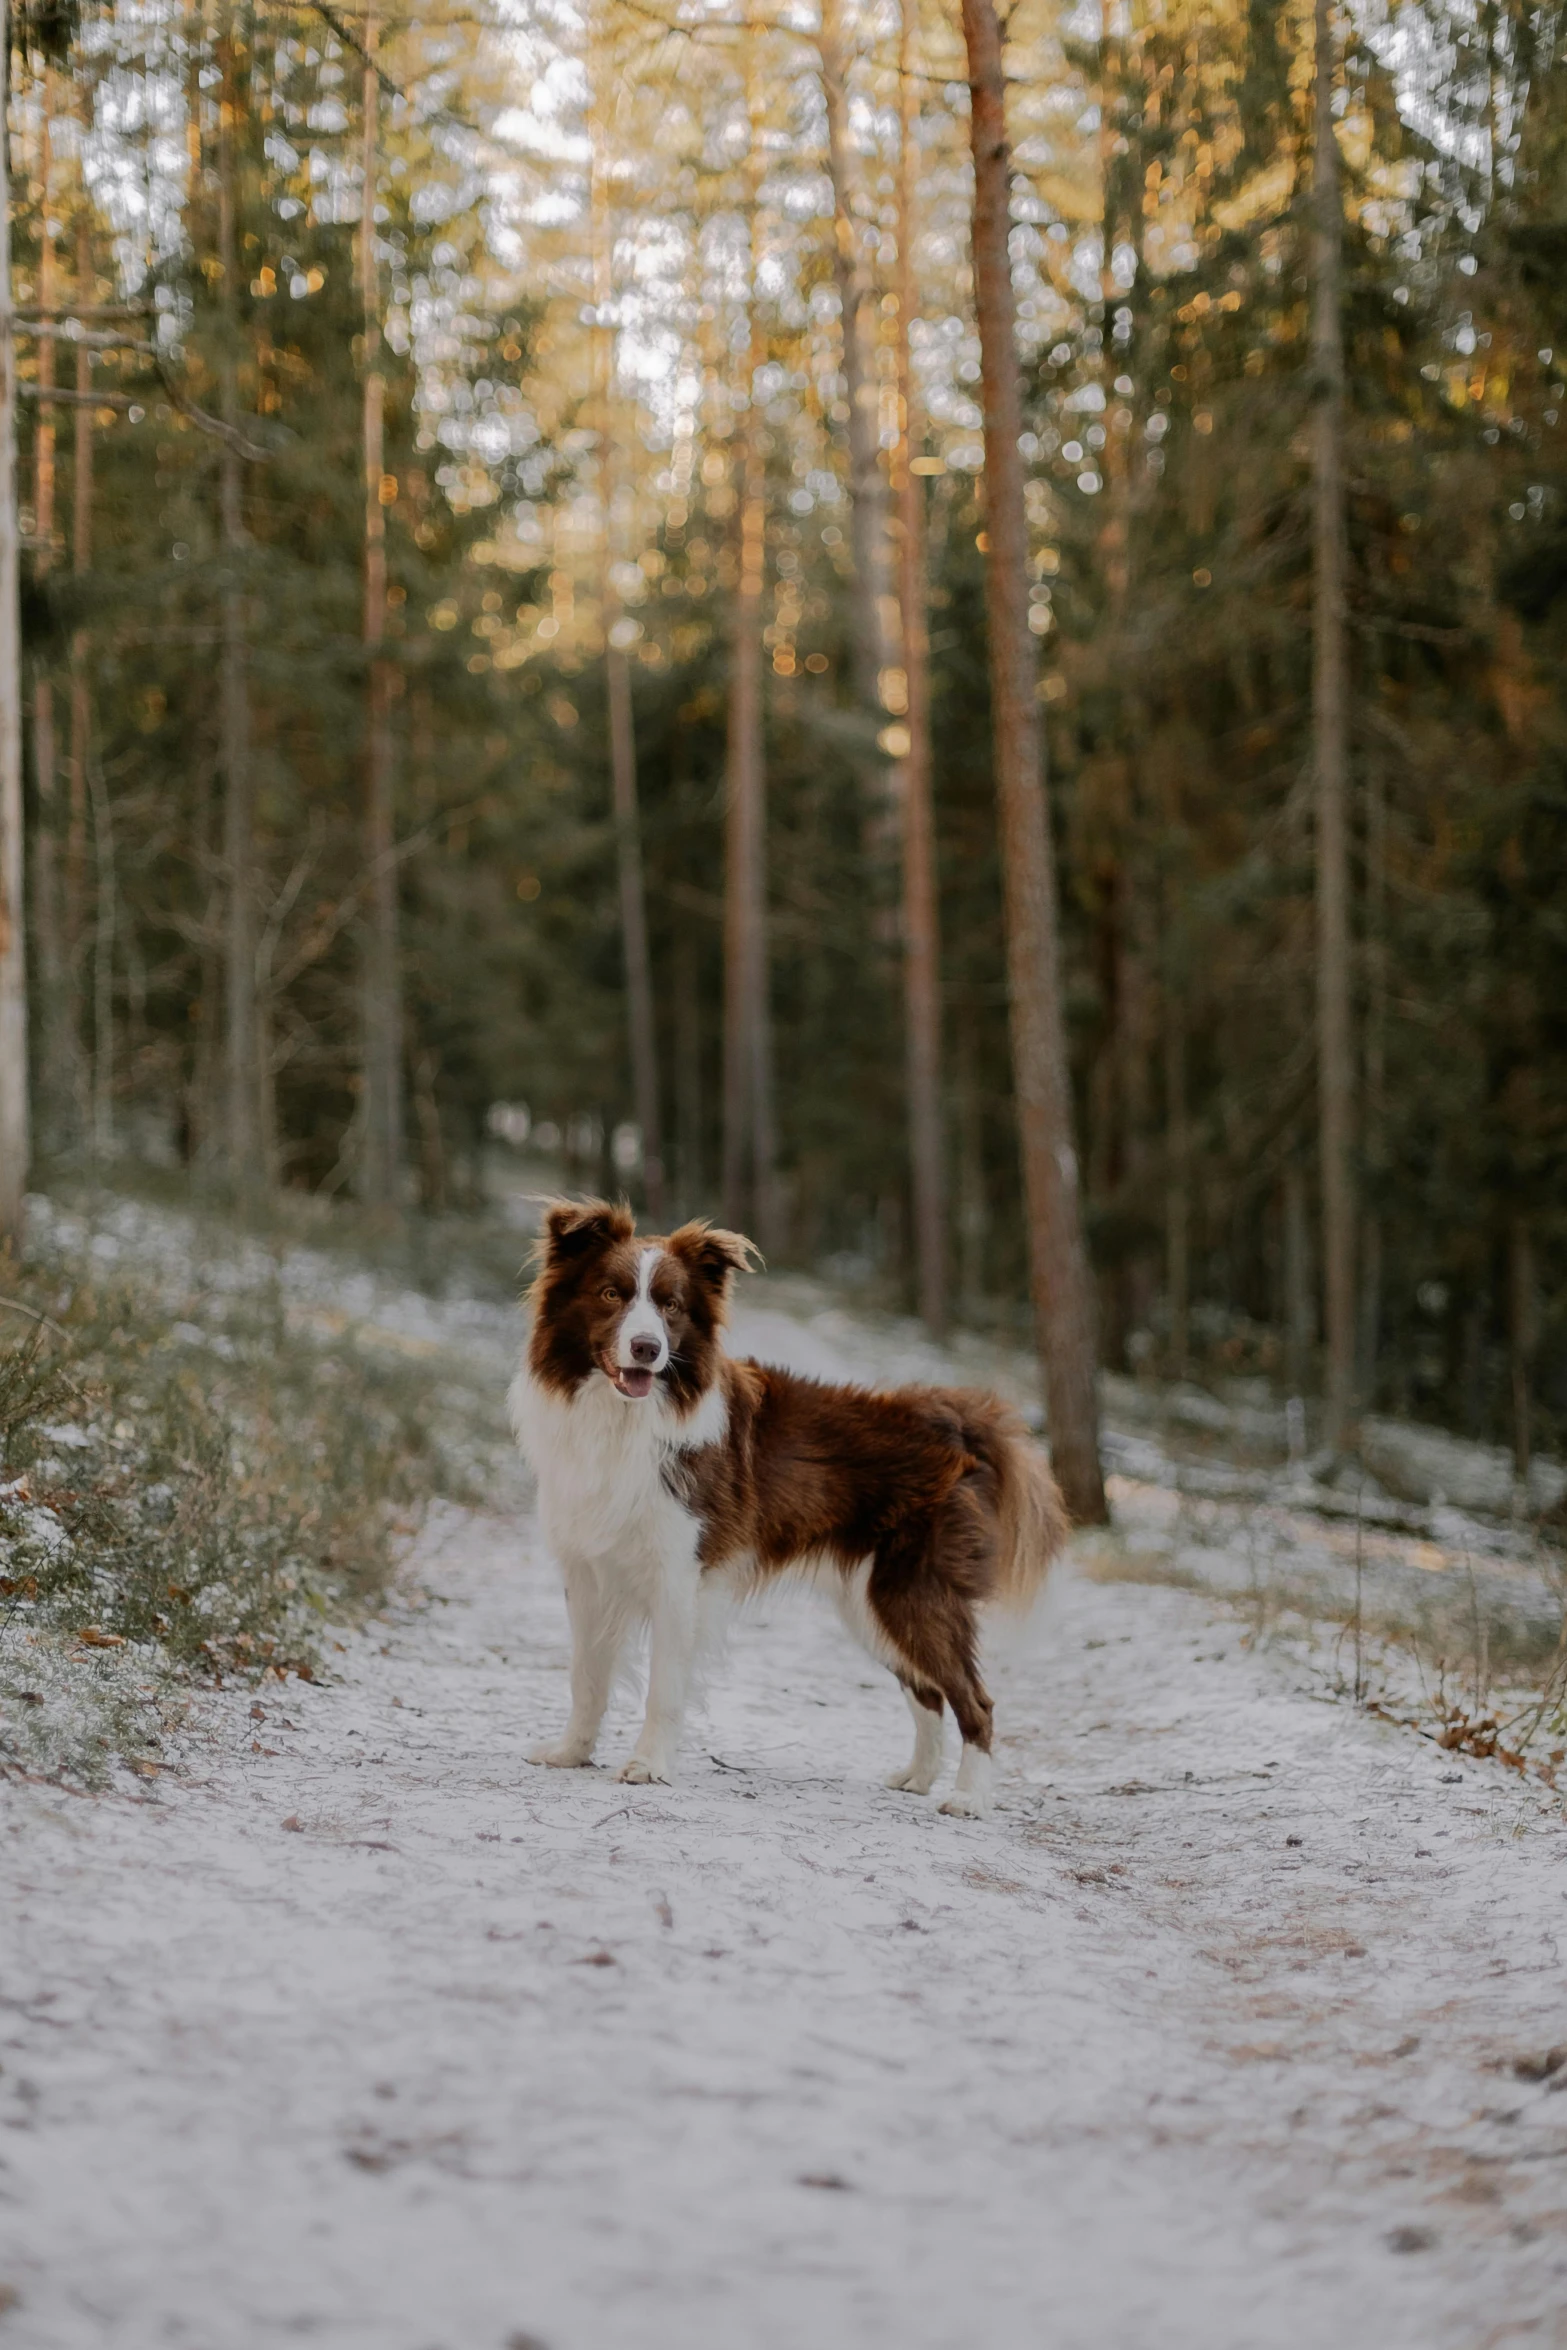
(921, 1593)
(596, 1635)
(921, 1773)
(970, 1797)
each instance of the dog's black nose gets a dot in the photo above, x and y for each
(644, 1350)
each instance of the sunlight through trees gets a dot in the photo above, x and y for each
(945, 637)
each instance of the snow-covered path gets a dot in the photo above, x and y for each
(360, 2031)
(380, 2037)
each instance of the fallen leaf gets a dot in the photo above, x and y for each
(292, 1823)
(94, 1636)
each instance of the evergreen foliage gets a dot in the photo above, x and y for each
(1170, 396)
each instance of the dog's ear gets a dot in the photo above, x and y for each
(713, 1254)
(574, 1228)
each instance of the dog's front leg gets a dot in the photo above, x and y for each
(672, 1646)
(595, 1645)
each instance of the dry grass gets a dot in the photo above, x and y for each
(183, 1502)
(1469, 1652)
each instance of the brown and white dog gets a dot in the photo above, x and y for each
(673, 1476)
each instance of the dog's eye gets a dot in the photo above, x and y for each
(612, 1297)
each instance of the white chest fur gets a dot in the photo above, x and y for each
(600, 1461)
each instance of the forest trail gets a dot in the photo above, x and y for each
(357, 2030)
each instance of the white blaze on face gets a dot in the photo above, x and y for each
(642, 1346)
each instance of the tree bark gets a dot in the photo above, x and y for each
(103, 1134)
(1522, 1336)
(873, 650)
(1335, 1079)
(1062, 1294)
(641, 1024)
(381, 1165)
(973, 1217)
(748, 1175)
(242, 1154)
(1300, 1328)
(55, 1100)
(1177, 1179)
(748, 1132)
(688, 1070)
(633, 927)
(1374, 1128)
(921, 926)
(15, 1139)
(74, 919)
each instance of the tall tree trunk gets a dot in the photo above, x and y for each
(1139, 1284)
(748, 1176)
(1522, 1336)
(688, 1069)
(642, 1028)
(867, 491)
(1116, 215)
(1300, 1325)
(748, 1145)
(204, 1091)
(1177, 1179)
(921, 928)
(103, 1134)
(15, 1140)
(74, 922)
(55, 1102)
(432, 1148)
(1117, 1138)
(1375, 1111)
(633, 926)
(973, 1216)
(242, 1154)
(1062, 1294)
(1335, 1079)
(381, 1177)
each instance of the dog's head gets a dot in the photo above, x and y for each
(644, 1313)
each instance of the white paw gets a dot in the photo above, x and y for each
(562, 1758)
(911, 1781)
(966, 1807)
(639, 1772)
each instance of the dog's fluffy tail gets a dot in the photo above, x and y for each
(1033, 1521)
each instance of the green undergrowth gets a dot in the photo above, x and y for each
(189, 1492)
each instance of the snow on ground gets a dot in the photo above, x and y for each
(356, 2029)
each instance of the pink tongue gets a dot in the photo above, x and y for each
(635, 1382)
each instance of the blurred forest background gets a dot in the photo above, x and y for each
(567, 793)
